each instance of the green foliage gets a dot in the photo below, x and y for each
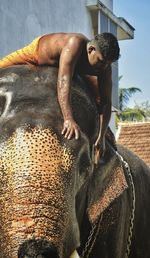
(145, 107)
(137, 113)
(124, 96)
(132, 114)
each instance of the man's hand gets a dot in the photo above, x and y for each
(70, 129)
(99, 149)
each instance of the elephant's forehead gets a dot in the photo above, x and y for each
(35, 147)
(34, 168)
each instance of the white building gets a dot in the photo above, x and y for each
(23, 20)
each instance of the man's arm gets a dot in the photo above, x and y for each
(68, 59)
(105, 92)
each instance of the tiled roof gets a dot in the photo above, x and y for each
(136, 137)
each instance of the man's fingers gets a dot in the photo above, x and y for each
(63, 130)
(76, 134)
(96, 156)
(96, 144)
(70, 134)
(69, 131)
(66, 127)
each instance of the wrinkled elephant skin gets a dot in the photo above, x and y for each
(48, 184)
(38, 167)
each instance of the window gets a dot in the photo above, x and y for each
(94, 19)
(103, 23)
(107, 25)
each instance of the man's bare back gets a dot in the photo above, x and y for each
(51, 46)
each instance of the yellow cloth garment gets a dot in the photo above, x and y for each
(24, 55)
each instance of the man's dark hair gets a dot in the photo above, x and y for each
(108, 45)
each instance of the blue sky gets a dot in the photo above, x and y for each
(134, 64)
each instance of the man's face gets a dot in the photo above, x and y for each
(96, 59)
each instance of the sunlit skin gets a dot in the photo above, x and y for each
(74, 52)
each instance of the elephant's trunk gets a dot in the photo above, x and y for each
(40, 249)
(35, 194)
(37, 248)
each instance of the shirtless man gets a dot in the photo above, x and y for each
(92, 60)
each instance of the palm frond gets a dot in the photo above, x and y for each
(125, 94)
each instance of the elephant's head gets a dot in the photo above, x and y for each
(40, 171)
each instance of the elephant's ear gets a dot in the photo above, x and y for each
(107, 183)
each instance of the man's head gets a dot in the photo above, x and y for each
(103, 50)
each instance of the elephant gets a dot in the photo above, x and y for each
(54, 201)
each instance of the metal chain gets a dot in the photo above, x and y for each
(132, 216)
(92, 238)
(96, 226)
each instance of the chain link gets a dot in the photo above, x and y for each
(92, 238)
(132, 216)
(96, 226)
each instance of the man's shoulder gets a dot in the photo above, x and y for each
(75, 42)
(65, 38)
(77, 37)
(66, 35)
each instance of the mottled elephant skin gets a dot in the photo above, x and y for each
(47, 183)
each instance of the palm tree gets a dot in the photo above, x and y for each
(124, 96)
(126, 113)
(132, 114)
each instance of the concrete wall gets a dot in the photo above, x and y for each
(23, 20)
